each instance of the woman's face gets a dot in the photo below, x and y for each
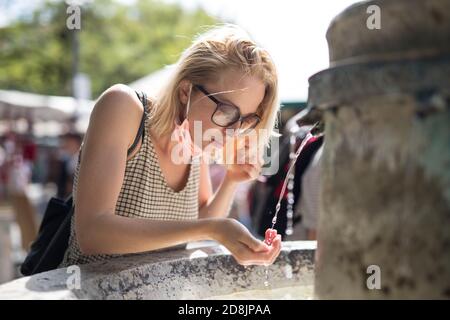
(243, 91)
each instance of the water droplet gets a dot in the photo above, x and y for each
(266, 272)
(277, 207)
(288, 271)
(274, 220)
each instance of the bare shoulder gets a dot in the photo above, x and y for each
(119, 97)
(118, 112)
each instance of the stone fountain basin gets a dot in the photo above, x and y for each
(202, 270)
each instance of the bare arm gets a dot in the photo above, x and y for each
(111, 131)
(215, 205)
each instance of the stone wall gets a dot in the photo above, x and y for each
(196, 273)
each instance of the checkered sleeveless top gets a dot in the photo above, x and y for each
(144, 192)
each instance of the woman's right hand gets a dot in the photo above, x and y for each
(246, 249)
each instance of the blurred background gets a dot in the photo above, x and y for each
(51, 75)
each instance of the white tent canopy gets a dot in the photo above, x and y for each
(17, 104)
(151, 83)
(49, 114)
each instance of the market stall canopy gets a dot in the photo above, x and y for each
(16, 104)
(153, 82)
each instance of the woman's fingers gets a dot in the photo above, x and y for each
(247, 256)
(248, 154)
(261, 161)
(252, 171)
(255, 244)
(246, 249)
(276, 244)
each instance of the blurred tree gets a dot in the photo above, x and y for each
(118, 44)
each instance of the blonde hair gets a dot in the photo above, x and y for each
(221, 48)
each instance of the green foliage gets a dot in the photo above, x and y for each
(118, 44)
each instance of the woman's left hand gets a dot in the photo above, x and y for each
(243, 172)
(246, 165)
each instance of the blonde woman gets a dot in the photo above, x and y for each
(131, 196)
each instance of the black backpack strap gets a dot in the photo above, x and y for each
(143, 98)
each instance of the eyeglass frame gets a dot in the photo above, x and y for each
(218, 102)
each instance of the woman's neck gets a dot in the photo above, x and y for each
(164, 143)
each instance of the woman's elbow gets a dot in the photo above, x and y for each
(86, 245)
(86, 240)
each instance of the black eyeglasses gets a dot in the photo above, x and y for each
(229, 116)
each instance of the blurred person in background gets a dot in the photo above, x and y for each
(29, 151)
(2, 173)
(68, 157)
(307, 206)
(19, 177)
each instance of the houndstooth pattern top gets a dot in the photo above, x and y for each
(144, 193)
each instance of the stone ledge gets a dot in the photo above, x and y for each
(200, 271)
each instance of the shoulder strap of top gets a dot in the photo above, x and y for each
(143, 98)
